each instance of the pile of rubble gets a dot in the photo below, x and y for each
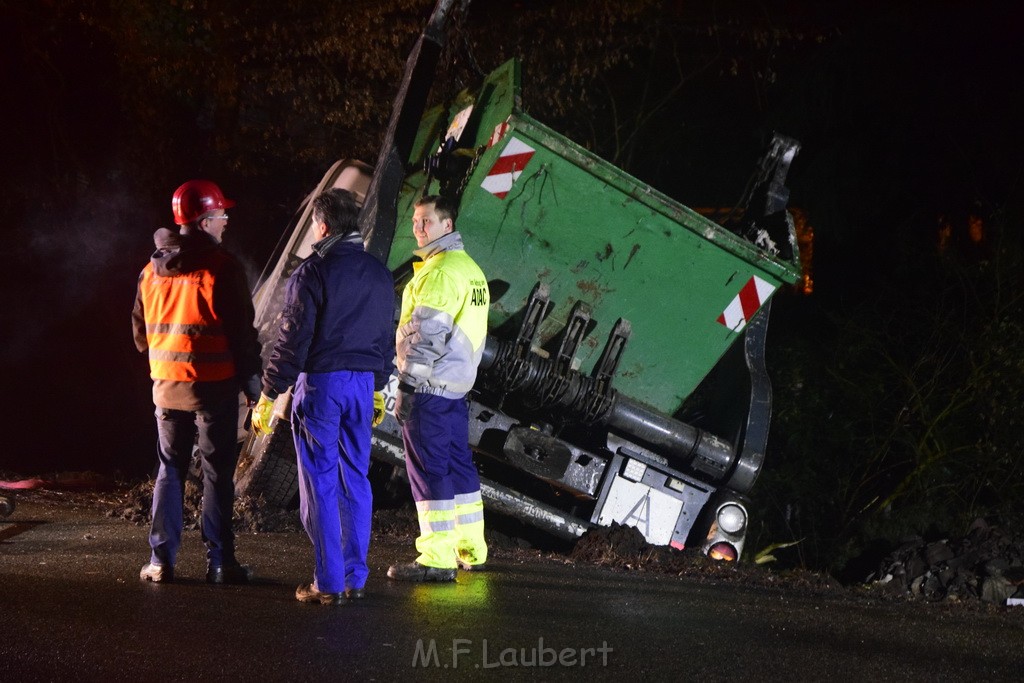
(397, 520)
(617, 546)
(251, 515)
(625, 548)
(987, 564)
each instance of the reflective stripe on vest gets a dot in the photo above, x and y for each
(186, 340)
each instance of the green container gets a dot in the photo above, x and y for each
(537, 207)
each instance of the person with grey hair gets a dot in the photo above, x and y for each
(336, 347)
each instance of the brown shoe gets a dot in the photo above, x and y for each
(308, 593)
(157, 573)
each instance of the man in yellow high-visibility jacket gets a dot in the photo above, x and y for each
(439, 344)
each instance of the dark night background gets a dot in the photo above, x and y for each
(898, 381)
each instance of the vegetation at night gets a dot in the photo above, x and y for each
(900, 415)
(898, 382)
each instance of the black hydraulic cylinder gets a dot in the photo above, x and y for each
(532, 376)
(700, 450)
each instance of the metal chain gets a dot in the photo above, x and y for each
(477, 153)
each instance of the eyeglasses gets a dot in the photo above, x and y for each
(222, 217)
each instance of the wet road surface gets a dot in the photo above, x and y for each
(73, 609)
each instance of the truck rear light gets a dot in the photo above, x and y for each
(732, 518)
(722, 552)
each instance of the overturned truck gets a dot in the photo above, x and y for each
(623, 380)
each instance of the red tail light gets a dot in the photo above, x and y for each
(722, 551)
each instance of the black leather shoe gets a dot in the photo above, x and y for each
(414, 571)
(229, 573)
(308, 593)
(157, 573)
(355, 593)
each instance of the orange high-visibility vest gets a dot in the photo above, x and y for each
(186, 340)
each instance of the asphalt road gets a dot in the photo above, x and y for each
(72, 608)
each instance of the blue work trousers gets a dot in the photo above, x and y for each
(331, 415)
(216, 449)
(444, 481)
(437, 455)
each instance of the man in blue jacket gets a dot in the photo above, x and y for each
(336, 348)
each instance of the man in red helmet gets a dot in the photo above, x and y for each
(199, 206)
(194, 317)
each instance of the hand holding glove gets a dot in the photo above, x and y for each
(378, 409)
(403, 401)
(262, 414)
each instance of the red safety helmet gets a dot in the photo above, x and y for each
(195, 198)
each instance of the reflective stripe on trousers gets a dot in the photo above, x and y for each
(444, 482)
(469, 525)
(437, 533)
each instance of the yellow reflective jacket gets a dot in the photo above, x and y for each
(443, 324)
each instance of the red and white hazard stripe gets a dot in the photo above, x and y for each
(508, 167)
(498, 134)
(745, 304)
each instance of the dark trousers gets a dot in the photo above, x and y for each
(177, 431)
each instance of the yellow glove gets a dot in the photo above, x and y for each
(378, 409)
(262, 414)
